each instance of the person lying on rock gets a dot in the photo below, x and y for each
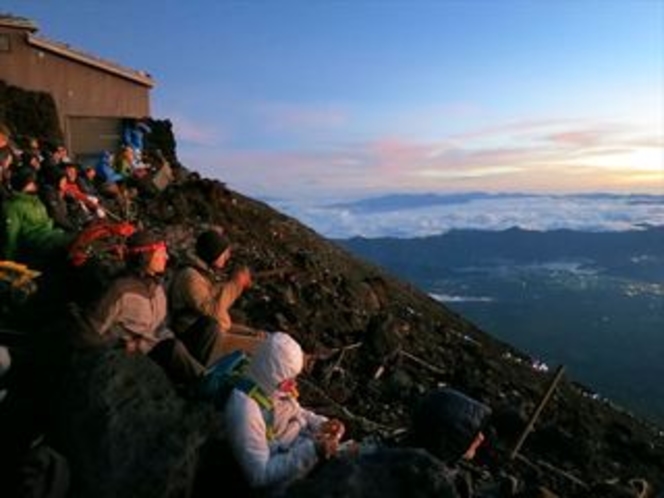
(132, 314)
(449, 425)
(197, 290)
(274, 440)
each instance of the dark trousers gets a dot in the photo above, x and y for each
(185, 358)
(203, 339)
(180, 366)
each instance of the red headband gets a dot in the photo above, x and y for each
(148, 248)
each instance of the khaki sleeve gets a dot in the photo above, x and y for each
(105, 313)
(208, 298)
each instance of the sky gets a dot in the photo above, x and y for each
(332, 99)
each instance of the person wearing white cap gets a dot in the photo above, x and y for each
(273, 438)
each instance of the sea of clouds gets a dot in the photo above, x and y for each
(536, 212)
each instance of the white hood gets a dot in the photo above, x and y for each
(278, 358)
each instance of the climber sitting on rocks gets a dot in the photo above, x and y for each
(200, 298)
(449, 425)
(132, 314)
(29, 233)
(274, 440)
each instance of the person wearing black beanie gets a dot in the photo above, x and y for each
(200, 298)
(210, 245)
(448, 424)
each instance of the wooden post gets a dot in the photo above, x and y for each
(538, 411)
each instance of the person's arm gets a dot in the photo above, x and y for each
(106, 312)
(248, 441)
(210, 299)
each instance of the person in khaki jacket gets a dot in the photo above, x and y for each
(132, 315)
(198, 295)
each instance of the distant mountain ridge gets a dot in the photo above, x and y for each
(638, 252)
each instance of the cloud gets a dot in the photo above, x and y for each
(591, 213)
(531, 156)
(471, 173)
(578, 138)
(198, 133)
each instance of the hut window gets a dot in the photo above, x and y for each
(4, 43)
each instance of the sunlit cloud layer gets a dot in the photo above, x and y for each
(599, 213)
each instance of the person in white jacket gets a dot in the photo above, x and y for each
(273, 438)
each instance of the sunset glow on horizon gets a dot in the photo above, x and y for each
(343, 99)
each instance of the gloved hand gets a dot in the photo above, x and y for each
(326, 446)
(333, 428)
(243, 277)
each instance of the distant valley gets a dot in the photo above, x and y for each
(593, 301)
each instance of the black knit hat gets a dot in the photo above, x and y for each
(446, 422)
(210, 245)
(21, 177)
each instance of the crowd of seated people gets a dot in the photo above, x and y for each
(45, 195)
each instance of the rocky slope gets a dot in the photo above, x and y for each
(126, 432)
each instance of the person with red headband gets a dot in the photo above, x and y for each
(132, 314)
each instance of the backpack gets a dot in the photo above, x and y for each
(228, 373)
(17, 282)
(101, 240)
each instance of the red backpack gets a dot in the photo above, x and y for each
(101, 240)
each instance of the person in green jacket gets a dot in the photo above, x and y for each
(29, 233)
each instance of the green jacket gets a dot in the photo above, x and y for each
(28, 228)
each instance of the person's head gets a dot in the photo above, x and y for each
(24, 179)
(71, 171)
(213, 248)
(89, 172)
(277, 362)
(58, 152)
(28, 158)
(147, 253)
(33, 144)
(127, 153)
(448, 424)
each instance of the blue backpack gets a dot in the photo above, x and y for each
(228, 373)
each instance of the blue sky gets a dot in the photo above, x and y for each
(331, 99)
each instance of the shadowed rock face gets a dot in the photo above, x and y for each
(127, 432)
(124, 429)
(390, 473)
